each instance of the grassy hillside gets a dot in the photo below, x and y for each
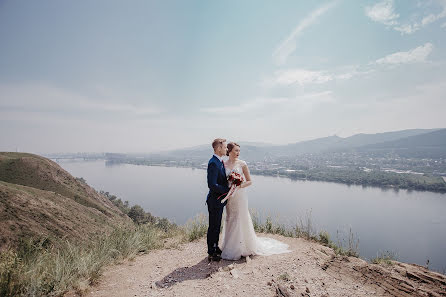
(39, 198)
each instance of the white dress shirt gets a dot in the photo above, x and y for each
(220, 158)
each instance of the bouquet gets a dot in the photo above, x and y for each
(235, 179)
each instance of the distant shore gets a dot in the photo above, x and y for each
(347, 176)
(362, 176)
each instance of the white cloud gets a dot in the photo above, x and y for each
(304, 77)
(415, 55)
(312, 99)
(428, 19)
(382, 12)
(253, 105)
(47, 98)
(288, 46)
(348, 72)
(301, 77)
(443, 25)
(397, 112)
(302, 103)
(407, 29)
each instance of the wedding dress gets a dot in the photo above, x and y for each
(239, 238)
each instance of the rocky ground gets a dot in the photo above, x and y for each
(309, 270)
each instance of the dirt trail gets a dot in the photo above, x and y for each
(309, 270)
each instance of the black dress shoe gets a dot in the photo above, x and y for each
(218, 251)
(214, 257)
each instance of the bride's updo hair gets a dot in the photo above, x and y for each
(231, 145)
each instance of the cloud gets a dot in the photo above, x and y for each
(382, 12)
(40, 97)
(313, 99)
(415, 55)
(288, 46)
(428, 19)
(301, 77)
(434, 17)
(253, 105)
(303, 103)
(443, 25)
(407, 29)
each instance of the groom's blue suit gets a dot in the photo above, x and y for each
(218, 186)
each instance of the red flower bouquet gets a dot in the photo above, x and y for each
(235, 180)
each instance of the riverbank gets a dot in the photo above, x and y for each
(383, 179)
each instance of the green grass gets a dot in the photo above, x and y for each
(47, 267)
(37, 172)
(285, 277)
(196, 228)
(350, 248)
(43, 268)
(304, 228)
(385, 257)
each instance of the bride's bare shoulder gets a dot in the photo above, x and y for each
(242, 163)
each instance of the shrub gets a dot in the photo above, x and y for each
(196, 227)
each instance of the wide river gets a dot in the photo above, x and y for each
(409, 223)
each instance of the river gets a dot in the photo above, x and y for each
(411, 224)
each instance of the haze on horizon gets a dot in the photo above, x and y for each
(145, 76)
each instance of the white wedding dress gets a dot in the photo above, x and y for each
(239, 238)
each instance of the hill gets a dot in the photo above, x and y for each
(431, 144)
(39, 198)
(259, 151)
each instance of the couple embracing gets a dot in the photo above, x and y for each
(239, 238)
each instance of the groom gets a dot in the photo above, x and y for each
(218, 186)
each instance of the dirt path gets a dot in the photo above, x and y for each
(309, 270)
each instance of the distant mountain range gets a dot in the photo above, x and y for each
(428, 142)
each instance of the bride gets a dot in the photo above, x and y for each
(239, 238)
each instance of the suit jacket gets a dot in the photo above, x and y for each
(217, 183)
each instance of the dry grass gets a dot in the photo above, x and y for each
(304, 228)
(385, 258)
(196, 228)
(42, 268)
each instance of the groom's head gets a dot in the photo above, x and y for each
(219, 146)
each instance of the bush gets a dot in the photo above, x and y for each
(139, 216)
(196, 227)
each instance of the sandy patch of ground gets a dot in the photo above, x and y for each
(309, 270)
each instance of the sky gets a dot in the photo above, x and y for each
(146, 76)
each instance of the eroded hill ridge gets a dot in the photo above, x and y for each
(38, 198)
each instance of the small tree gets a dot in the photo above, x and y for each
(138, 215)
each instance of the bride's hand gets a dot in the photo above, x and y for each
(231, 191)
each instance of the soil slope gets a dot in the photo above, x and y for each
(39, 198)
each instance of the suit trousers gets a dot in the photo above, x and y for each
(215, 215)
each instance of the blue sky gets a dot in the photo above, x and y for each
(140, 76)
